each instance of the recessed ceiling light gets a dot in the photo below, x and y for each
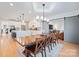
(11, 4)
(37, 17)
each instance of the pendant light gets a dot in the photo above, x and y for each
(23, 18)
(43, 18)
(43, 11)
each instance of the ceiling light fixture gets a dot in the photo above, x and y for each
(11, 4)
(41, 17)
(37, 17)
(45, 19)
(43, 11)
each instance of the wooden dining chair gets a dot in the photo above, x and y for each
(47, 44)
(36, 48)
(52, 40)
(49, 39)
(61, 36)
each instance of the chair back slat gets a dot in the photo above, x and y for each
(39, 44)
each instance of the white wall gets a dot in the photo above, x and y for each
(9, 23)
(58, 24)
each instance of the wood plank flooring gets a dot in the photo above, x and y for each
(8, 47)
(70, 50)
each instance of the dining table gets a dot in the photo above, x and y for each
(29, 40)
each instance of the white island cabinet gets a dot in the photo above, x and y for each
(21, 34)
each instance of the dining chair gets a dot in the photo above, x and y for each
(52, 40)
(35, 48)
(47, 44)
(49, 39)
(61, 36)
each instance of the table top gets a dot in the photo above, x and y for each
(27, 40)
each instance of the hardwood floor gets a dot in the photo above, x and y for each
(8, 48)
(70, 50)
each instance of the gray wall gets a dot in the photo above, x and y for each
(71, 29)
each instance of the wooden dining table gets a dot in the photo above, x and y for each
(28, 40)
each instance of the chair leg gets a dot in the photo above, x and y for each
(42, 53)
(49, 48)
(34, 55)
(45, 51)
(54, 44)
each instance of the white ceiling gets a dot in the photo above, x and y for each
(31, 10)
